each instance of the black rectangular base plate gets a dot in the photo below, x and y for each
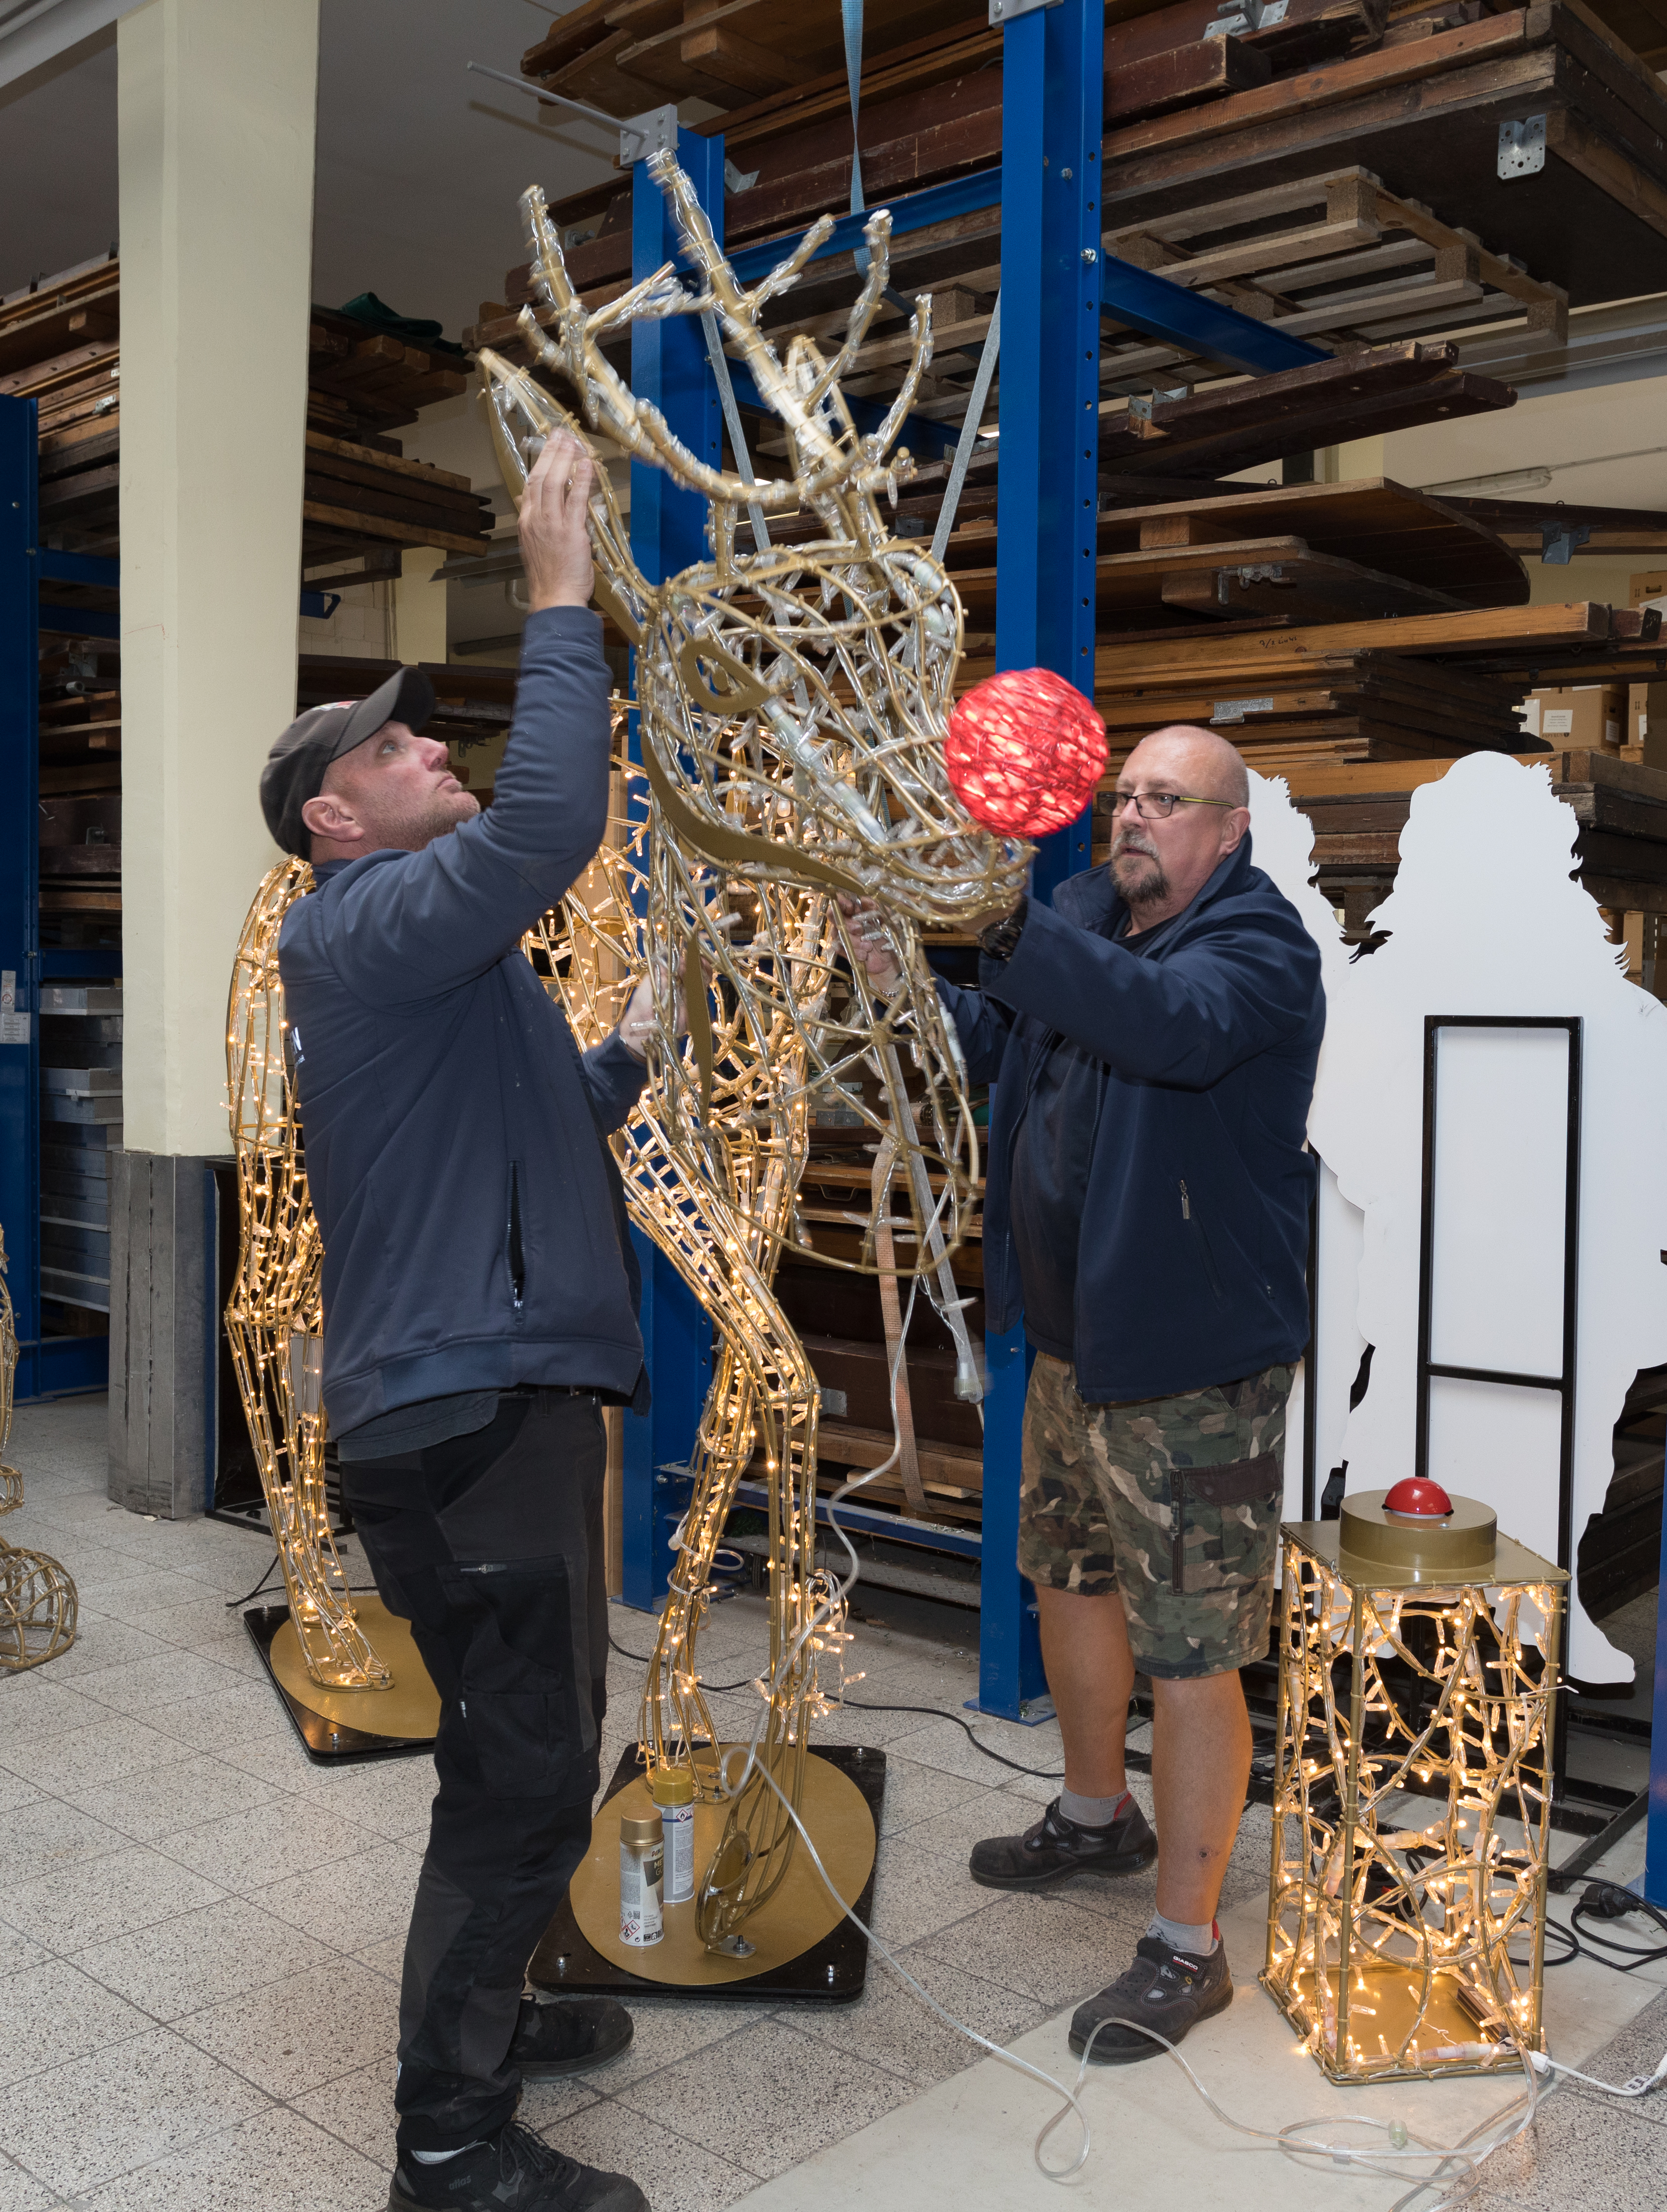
(326, 1743)
(832, 1971)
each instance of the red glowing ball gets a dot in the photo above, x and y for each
(1417, 1497)
(1024, 751)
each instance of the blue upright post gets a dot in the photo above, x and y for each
(668, 533)
(20, 926)
(1053, 63)
(1655, 1858)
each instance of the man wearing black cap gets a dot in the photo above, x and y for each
(479, 1302)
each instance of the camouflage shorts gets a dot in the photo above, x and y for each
(1174, 1503)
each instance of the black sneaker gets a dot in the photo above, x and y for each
(514, 2172)
(1057, 1849)
(567, 2035)
(1168, 1990)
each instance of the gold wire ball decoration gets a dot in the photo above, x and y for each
(1412, 1801)
(274, 1315)
(793, 702)
(38, 1601)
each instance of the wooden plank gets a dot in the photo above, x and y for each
(382, 464)
(1533, 628)
(356, 524)
(1204, 70)
(1391, 68)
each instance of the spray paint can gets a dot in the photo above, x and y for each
(673, 1791)
(642, 1868)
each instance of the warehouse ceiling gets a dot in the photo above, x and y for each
(419, 164)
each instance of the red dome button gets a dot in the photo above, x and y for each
(1418, 1499)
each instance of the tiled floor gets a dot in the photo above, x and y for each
(200, 1942)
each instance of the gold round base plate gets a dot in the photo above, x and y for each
(407, 1709)
(799, 1915)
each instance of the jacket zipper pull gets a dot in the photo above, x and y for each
(1187, 1204)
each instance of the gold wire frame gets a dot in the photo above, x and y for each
(275, 1316)
(1390, 1945)
(38, 1601)
(792, 703)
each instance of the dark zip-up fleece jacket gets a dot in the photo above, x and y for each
(1192, 1267)
(473, 1223)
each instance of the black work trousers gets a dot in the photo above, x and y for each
(491, 1545)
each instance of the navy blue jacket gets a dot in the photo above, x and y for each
(474, 1227)
(1193, 1263)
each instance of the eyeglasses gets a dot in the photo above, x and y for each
(1159, 805)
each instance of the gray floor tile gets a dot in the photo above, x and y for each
(109, 1897)
(672, 2172)
(35, 1708)
(366, 1897)
(21, 2192)
(241, 1723)
(295, 2035)
(192, 1790)
(152, 1687)
(277, 1838)
(1043, 1947)
(47, 1834)
(52, 2014)
(386, 1958)
(1636, 2051)
(917, 1795)
(147, 1592)
(890, 2025)
(665, 2030)
(18, 1951)
(1579, 2151)
(357, 2108)
(102, 1751)
(203, 1959)
(16, 1792)
(767, 2097)
(389, 1796)
(135, 2102)
(918, 1891)
(942, 1744)
(100, 1643)
(277, 2161)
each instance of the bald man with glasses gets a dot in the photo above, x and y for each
(1150, 1040)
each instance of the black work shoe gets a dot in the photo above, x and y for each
(1167, 1991)
(1057, 1849)
(514, 2172)
(568, 2035)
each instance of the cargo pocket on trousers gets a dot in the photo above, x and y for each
(1212, 1545)
(517, 1692)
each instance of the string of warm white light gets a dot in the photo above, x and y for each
(792, 703)
(274, 1315)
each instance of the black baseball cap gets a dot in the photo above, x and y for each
(294, 769)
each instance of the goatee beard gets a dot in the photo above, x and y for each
(1151, 886)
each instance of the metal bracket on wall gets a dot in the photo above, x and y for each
(1559, 539)
(1242, 16)
(1522, 147)
(1009, 11)
(653, 131)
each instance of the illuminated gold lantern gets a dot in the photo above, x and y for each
(1417, 1666)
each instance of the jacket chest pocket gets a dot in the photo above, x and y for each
(514, 1250)
(1222, 1531)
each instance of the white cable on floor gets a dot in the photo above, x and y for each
(1640, 2086)
(1389, 2161)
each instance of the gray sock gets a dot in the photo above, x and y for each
(439, 2157)
(1092, 1812)
(1199, 1937)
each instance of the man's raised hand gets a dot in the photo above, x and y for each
(555, 540)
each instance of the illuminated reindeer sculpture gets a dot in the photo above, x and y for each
(792, 703)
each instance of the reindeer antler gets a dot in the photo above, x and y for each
(832, 456)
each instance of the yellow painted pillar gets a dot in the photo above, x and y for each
(216, 108)
(419, 607)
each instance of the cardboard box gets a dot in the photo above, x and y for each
(1651, 585)
(1646, 722)
(1589, 717)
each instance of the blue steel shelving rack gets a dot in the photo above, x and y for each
(45, 1364)
(1058, 286)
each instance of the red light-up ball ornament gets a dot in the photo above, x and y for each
(1024, 751)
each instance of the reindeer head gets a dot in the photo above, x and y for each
(793, 700)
